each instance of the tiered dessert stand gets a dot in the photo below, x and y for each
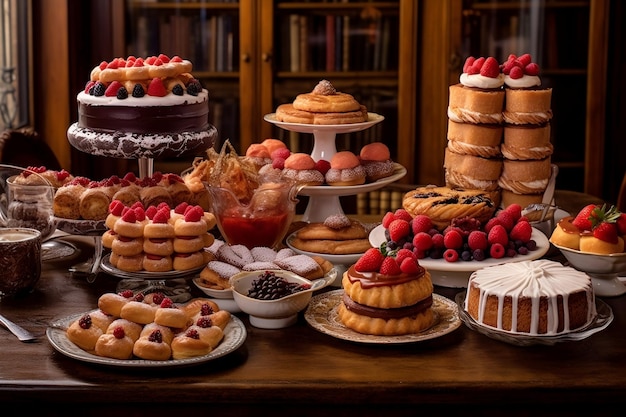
(324, 199)
(145, 154)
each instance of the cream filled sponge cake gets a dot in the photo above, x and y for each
(142, 107)
(539, 297)
(386, 296)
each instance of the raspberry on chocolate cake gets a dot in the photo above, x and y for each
(387, 295)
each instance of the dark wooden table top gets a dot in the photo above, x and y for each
(300, 371)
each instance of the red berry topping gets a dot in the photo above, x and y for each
(156, 336)
(116, 207)
(451, 255)
(516, 73)
(399, 229)
(371, 261)
(167, 303)
(85, 322)
(387, 219)
(531, 69)
(390, 267)
(204, 322)
(490, 68)
(156, 88)
(453, 239)
(477, 239)
(497, 251)
(111, 90)
(469, 61)
(280, 153)
(322, 166)
(119, 332)
(194, 214)
(409, 266)
(521, 231)
(422, 241)
(421, 223)
(192, 333)
(206, 309)
(129, 216)
(498, 234)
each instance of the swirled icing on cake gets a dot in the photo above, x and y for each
(534, 280)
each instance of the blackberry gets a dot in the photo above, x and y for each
(178, 90)
(270, 287)
(122, 93)
(98, 89)
(138, 91)
(194, 88)
(85, 321)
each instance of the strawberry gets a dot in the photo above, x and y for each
(156, 88)
(116, 207)
(525, 59)
(403, 214)
(477, 239)
(498, 234)
(398, 230)
(140, 214)
(409, 266)
(161, 216)
(476, 66)
(194, 214)
(404, 253)
(521, 231)
(151, 212)
(387, 219)
(370, 261)
(606, 232)
(111, 90)
(421, 223)
(490, 223)
(129, 216)
(582, 219)
(515, 210)
(390, 266)
(490, 68)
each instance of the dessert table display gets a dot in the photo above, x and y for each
(303, 370)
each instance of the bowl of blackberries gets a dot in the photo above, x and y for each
(272, 298)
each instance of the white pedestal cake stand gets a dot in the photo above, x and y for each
(324, 200)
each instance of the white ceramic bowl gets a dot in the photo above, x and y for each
(272, 314)
(604, 270)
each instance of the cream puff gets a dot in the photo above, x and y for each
(301, 167)
(376, 160)
(258, 154)
(345, 169)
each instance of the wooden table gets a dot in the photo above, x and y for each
(300, 371)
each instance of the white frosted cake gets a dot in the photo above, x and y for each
(539, 297)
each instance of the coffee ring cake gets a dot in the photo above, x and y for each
(442, 204)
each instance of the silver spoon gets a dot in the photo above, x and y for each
(21, 333)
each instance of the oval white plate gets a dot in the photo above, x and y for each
(234, 336)
(456, 274)
(372, 119)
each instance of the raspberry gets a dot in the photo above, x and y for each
(204, 322)
(516, 73)
(206, 309)
(506, 219)
(421, 223)
(166, 303)
(404, 253)
(490, 223)
(156, 336)
(452, 240)
(278, 163)
(281, 153)
(85, 321)
(409, 266)
(422, 241)
(515, 210)
(438, 241)
(322, 166)
(387, 219)
(521, 231)
(127, 294)
(451, 255)
(403, 214)
(477, 240)
(499, 235)
(496, 251)
(119, 333)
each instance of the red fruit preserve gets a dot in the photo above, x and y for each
(254, 231)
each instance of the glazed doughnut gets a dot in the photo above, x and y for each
(188, 345)
(115, 345)
(128, 263)
(131, 329)
(166, 333)
(152, 347)
(127, 246)
(187, 261)
(188, 244)
(157, 263)
(345, 170)
(128, 225)
(107, 239)
(376, 160)
(83, 333)
(138, 312)
(202, 306)
(171, 316)
(112, 303)
(208, 331)
(158, 246)
(156, 229)
(325, 98)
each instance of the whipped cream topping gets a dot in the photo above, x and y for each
(480, 81)
(145, 101)
(533, 279)
(527, 81)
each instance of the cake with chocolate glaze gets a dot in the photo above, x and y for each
(386, 295)
(135, 107)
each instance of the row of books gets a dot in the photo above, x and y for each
(210, 42)
(337, 43)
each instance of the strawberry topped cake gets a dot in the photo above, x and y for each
(142, 107)
(387, 294)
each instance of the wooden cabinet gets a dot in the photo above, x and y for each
(569, 40)
(254, 55)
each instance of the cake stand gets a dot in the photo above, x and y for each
(324, 200)
(144, 148)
